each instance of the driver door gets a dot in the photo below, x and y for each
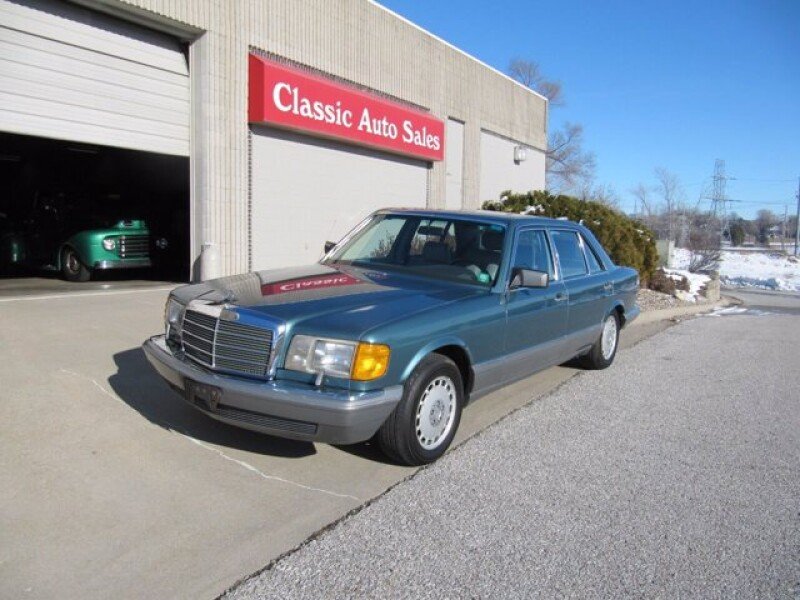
(536, 318)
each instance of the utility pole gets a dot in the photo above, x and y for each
(797, 225)
(783, 230)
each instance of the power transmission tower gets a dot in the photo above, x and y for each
(719, 208)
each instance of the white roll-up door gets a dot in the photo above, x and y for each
(306, 191)
(70, 73)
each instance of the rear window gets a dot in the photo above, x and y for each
(595, 266)
(570, 254)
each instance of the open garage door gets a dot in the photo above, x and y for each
(306, 191)
(121, 214)
(94, 147)
(73, 74)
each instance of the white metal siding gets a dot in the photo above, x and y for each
(306, 191)
(499, 172)
(69, 73)
(454, 163)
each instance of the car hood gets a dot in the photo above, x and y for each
(323, 300)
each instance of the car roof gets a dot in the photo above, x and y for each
(490, 216)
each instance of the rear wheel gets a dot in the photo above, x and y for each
(72, 268)
(605, 348)
(424, 423)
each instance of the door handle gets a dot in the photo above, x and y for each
(609, 287)
(560, 297)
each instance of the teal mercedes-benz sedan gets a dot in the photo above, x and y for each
(408, 318)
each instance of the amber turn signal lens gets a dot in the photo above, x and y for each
(370, 362)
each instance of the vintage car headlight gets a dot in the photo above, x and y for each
(109, 243)
(337, 358)
(173, 313)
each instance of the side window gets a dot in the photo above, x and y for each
(570, 254)
(595, 266)
(533, 252)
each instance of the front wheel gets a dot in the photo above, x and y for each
(72, 268)
(605, 348)
(424, 423)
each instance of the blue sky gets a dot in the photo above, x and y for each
(670, 84)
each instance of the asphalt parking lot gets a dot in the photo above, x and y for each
(674, 474)
(111, 486)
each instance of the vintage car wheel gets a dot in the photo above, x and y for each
(605, 348)
(72, 268)
(422, 426)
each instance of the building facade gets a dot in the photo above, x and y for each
(255, 95)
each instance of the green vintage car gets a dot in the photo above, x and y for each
(76, 249)
(125, 245)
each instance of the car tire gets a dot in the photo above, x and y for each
(605, 348)
(424, 423)
(72, 268)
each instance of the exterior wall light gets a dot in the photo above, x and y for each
(520, 154)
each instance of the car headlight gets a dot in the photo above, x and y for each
(173, 313)
(109, 243)
(337, 358)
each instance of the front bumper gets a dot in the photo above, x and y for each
(282, 408)
(124, 263)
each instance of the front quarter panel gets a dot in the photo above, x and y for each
(475, 324)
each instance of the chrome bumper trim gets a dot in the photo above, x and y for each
(129, 263)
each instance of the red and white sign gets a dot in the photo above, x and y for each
(290, 98)
(308, 283)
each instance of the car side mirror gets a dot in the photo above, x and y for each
(527, 278)
(329, 246)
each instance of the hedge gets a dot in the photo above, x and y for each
(627, 241)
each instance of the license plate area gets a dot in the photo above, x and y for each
(203, 395)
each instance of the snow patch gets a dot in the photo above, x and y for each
(696, 282)
(769, 270)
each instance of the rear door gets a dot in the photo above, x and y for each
(536, 317)
(586, 287)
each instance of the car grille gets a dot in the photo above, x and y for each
(133, 246)
(227, 345)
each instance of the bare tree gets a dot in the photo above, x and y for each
(603, 193)
(671, 192)
(567, 164)
(529, 74)
(643, 197)
(703, 241)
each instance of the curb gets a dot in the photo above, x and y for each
(677, 312)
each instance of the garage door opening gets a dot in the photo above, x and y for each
(79, 211)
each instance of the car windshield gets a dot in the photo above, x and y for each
(429, 246)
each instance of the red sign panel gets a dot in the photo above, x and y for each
(290, 98)
(309, 283)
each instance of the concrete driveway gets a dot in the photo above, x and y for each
(111, 486)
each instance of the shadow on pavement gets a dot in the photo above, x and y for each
(139, 386)
(369, 450)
